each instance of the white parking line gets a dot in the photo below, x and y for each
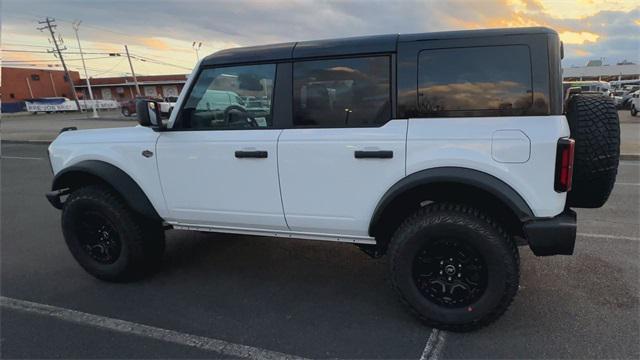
(605, 236)
(629, 163)
(221, 347)
(628, 184)
(21, 157)
(434, 345)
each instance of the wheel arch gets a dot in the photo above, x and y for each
(96, 171)
(448, 184)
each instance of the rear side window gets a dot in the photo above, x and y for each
(468, 81)
(350, 92)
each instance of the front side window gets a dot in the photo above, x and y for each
(495, 78)
(219, 99)
(342, 92)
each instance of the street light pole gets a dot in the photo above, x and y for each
(76, 26)
(197, 47)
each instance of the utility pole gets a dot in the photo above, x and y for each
(51, 26)
(135, 80)
(197, 47)
(76, 26)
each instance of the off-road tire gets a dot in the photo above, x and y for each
(593, 120)
(441, 220)
(141, 241)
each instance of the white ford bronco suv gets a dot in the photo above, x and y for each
(444, 151)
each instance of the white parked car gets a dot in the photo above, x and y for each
(443, 151)
(635, 103)
(167, 104)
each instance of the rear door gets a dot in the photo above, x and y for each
(343, 150)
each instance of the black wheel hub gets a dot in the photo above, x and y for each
(99, 238)
(450, 273)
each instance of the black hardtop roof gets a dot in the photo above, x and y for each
(350, 46)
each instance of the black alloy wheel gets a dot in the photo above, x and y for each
(98, 237)
(454, 266)
(107, 238)
(450, 273)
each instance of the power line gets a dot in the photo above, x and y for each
(101, 28)
(27, 45)
(143, 58)
(30, 65)
(159, 62)
(66, 52)
(44, 46)
(109, 71)
(44, 60)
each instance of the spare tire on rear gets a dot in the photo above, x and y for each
(593, 120)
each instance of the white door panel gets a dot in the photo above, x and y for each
(205, 183)
(325, 188)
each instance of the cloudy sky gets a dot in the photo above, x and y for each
(160, 33)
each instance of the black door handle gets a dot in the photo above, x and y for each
(258, 154)
(373, 154)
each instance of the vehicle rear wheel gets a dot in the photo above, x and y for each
(593, 120)
(108, 240)
(454, 267)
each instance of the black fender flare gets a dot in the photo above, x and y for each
(115, 177)
(455, 175)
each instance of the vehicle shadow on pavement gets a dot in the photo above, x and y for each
(312, 298)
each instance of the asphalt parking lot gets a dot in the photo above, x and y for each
(270, 297)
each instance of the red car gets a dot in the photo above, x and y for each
(128, 108)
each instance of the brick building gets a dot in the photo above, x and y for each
(19, 84)
(123, 88)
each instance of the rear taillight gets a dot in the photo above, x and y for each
(564, 164)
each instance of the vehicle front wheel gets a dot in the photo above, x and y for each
(126, 112)
(109, 240)
(634, 111)
(454, 267)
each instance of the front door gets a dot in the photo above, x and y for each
(218, 165)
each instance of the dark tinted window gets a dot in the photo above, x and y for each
(219, 98)
(342, 92)
(475, 78)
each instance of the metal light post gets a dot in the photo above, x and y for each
(76, 26)
(196, 46)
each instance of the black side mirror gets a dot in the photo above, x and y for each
(148, 112)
